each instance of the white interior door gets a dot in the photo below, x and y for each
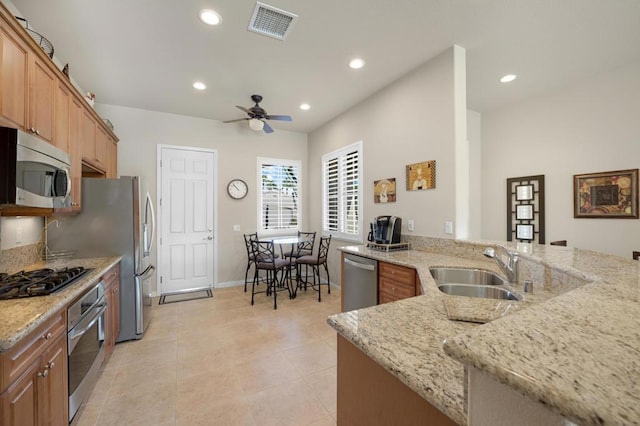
(187, 219)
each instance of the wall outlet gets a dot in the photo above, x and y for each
(410, 225)
(18, 234)
(448, 227)
(236, 228)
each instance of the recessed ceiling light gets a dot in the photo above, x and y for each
(305, 107)
(507, 78)
(210, 17)
(356, 63)
(199, 85)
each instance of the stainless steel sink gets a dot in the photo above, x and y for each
(448, 275)
(474, 290)
(472, 283)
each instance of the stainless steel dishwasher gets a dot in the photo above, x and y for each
(360, 282)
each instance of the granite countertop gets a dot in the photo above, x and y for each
(539, 346)
(20, 316)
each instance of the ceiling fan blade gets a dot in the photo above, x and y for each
(243, 109)
(267, 128)
(279, 117)
(233, 121)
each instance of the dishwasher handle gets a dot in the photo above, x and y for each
(360, 265)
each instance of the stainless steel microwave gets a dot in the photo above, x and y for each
(33, 173)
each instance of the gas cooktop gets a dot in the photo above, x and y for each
(40, 282)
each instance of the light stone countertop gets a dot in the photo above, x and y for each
(18, 317)
(574, 345)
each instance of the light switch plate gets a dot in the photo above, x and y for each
(236, 228)
(448, 227)
(410, 225)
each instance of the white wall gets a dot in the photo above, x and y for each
(409, 121)
(237, 147)
(474, 135)
(593, 126)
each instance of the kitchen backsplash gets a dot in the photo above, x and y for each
(15, 259)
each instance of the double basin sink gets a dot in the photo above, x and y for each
(472, 283)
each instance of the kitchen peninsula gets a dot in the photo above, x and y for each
(571, 350)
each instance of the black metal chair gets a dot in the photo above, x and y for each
(265, 260)
(248, 239)
(315, 262)
(306, 240)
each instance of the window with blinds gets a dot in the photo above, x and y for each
(279, 195)
(342, 206)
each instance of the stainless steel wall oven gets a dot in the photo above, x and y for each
(85, 340)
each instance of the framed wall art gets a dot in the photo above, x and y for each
(421, 176)
(525, 209)
(384, 190)
(608, 195)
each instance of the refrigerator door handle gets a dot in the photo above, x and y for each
(146, 272)
(148, 243)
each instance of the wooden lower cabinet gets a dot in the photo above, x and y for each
(395, 282)
(370, 395)
(39, 394)
(112, 314)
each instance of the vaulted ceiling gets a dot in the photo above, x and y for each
(147, 53)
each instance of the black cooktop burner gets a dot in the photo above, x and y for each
(38, 283)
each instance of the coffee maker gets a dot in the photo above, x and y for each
(385, 230)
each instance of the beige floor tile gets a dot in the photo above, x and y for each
(324, 386)
(265, 372)
(221, 361)
(312, 357)
(288, 404)
(217, 411)
(325, 421)
(146, 404)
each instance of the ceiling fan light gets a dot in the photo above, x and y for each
(305, 107)
(198, 85)
(256, 124)
(210, 17)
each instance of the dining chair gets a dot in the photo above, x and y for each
(306, 240)
(248, 239)
(265, 260)
(315, 262)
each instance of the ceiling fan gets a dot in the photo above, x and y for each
(257, 116)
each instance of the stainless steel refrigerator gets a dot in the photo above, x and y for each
(117, 219)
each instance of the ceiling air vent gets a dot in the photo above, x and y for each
(271, 21)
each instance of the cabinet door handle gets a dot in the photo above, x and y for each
(74, 204)
(44, 373)
(37, 132)
(47, 336)
(51, 365)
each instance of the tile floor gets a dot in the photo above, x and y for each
(221, 361)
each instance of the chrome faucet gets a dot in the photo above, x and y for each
(510, 268)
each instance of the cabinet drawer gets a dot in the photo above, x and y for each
(17, 359)
(398, 273)
(396, 288)
(111, 275)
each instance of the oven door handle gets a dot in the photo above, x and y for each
(80, 328)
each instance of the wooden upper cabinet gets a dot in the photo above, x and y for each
(41, 99)
(103, 149)
(13, 79)
(61, 123)
(88, 136)
(113, 158)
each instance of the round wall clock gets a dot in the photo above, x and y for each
(237, 189)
